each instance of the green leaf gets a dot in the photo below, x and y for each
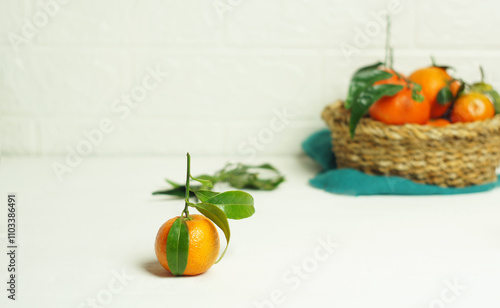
(174, 184)
(363, 78)
(205, 180)
(417, 97)
(177, 192)
(461, 89)
(496, 99)
(216, 215)
(237, 175)
(178, 247)
(445, 67)
(264, 166)
(253, 181)
(415, 93)
(240, 180)
(369, 67)
(204, 195)
(235, 204)
(263, 184)
(444, 96)
(366, 98)
(247, 176)
(416, 87)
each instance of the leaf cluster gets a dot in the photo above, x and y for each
(240, 176)
(363, 92)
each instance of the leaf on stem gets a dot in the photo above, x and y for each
(178, 191)
(417, 97)
(235, 204)
(174, 184)
(204, 195)
(178, 247)
(445, 67)
(366, 98)
(461, 89)
(362, 79)
(205, 180)
(416, 92)
(216, 215)
(247, 176)
(444, 96)
(496, 99)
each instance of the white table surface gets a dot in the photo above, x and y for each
(393, 251)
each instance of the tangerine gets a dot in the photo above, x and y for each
(396, 78)
(472, 107)
(438, 122)
(401, 108)
(203, 244)
(433, 79)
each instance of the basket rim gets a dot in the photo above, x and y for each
(338, 107)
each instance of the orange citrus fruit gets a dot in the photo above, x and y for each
(400, 108)
(396, 78)
(203, 244)
(433, 79)
(455, 86)
(438, 122)
(472, 107)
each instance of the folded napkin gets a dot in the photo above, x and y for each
(356, 183)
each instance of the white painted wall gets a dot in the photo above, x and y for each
(65, 67)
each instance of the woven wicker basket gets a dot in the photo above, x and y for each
(456, 155)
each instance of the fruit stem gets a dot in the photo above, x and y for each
(433, 61)
(387, 42)
(482, 73)
(391, 58)
(186, 209)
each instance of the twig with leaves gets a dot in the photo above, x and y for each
(238, 175)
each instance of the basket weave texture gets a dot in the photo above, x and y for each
(456, 155)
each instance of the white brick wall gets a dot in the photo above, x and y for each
(227, 77)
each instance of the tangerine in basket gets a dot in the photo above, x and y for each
(401, 108)
(433, 79)
(438, 122)
(471, 107)
(396, 78)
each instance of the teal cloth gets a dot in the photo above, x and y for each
(356, 183)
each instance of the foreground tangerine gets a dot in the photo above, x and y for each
(472, 107)
(203, 244)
